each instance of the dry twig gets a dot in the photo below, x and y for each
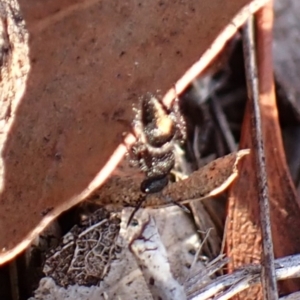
(228, 285)
(268, 278)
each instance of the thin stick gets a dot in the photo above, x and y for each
(268, 270)
(223, 124)
(197, 255)
(14, 280)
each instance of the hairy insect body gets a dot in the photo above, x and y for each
(158, 128)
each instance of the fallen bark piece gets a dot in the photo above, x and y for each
(151, 256)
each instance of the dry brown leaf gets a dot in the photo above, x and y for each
(208, 181)
(243, 233)
(70, 73)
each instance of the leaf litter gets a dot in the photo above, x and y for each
(203, 145)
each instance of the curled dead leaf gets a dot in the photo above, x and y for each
(208, 181)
